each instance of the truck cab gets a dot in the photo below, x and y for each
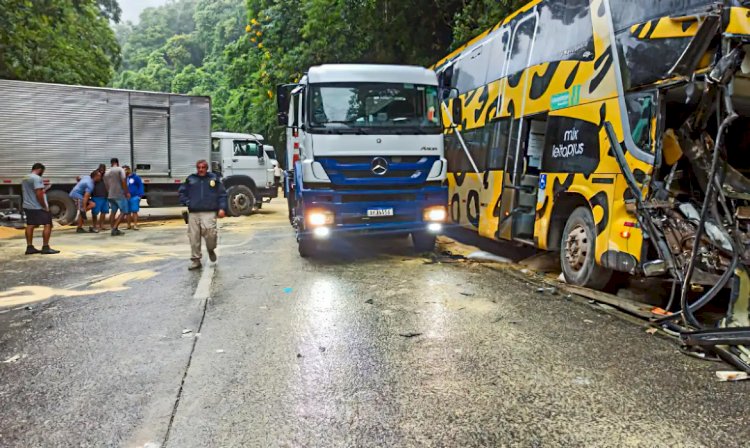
(365, 153)
(246, 165)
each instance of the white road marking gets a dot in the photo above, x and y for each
(203, 290)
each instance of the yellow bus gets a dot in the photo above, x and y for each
(589, 127)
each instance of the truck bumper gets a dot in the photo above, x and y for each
(350, 210)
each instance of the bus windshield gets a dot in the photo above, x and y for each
(374, 107)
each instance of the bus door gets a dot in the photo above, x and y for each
(523, 160)
(521, 179)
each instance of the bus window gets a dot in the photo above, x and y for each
(499, 144)
(565, 32)
(498, 49)
(471, 70)
(477, 141)
(522, 38)
(641, 109)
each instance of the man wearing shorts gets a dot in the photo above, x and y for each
(36, 209)
(101, 203)
(135, 187)
(117, 192)
(81, 195)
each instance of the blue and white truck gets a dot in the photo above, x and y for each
(364, 153)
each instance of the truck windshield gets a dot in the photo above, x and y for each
(374, 108)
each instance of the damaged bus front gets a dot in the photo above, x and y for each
(685, 79)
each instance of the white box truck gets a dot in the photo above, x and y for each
(72, 129)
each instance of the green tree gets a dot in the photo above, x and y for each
(63, 41)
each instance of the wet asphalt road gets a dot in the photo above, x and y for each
(369, 345)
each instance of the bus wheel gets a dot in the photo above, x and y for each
(306, 247)
(578, 252)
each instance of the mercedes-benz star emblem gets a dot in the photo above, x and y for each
(379, 166)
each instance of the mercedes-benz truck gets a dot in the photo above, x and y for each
(364, 153)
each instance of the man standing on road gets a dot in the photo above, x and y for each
(81, 195)
(36, 209)
(135, 187)
(205, 197)
(118, 194)
(101, 203)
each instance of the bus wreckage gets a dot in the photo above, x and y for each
(624, 145)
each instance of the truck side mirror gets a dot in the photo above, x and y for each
(282, 118)
(282, 97)
(261, 152)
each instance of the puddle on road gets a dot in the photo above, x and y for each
(24, 295)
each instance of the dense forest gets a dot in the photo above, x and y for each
(236, 51)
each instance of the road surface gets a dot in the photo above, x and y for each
(115, 343)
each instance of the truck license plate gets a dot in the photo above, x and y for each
(375, 212)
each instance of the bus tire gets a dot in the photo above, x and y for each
(306, 247)
(578, 252)
(241, 200)
(423, 241)
(62, 208)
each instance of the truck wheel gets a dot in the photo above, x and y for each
(306, 247)
(62, 208)
(241, 200)
(578, 249)
(423, 241)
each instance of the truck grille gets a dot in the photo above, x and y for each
(357, 171)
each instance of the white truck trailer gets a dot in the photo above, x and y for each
(72, 129)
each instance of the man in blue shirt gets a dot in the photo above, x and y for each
(81, 195)
(135, 187)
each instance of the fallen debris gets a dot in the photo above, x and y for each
(219, 351)
(410, 334)
(551, 291)
(467, 294)
(651, 330)
(369, 301)
(482, 256)
(731, 376)
(12, 359)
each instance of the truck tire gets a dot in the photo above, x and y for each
(62, 208)
(578, 252)
(306, 247)
(241, 200)
(423, 241)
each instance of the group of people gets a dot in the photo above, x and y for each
(120, 189)
(108, 191)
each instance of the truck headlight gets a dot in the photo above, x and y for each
(435, 214)
(317, 218)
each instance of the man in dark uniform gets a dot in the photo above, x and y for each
(206, 199)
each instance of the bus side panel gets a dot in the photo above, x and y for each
(489, 203)
(626, 241)
(463, 198)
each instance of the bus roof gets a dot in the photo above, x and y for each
(371, 73)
